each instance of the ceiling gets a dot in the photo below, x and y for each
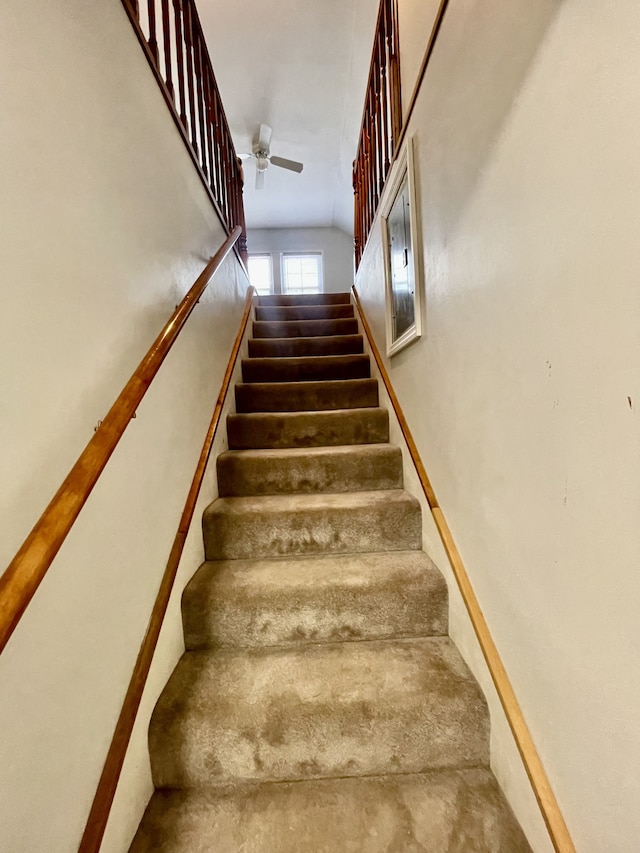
(300, 67)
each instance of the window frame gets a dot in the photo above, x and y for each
(269, 257)
(313, 254)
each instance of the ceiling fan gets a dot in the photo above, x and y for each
(262, 155)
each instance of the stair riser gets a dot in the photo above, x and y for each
(359, 471)
(305, 397)
(303, 328)
(372, 815)
(306, 299)
(304, 429)
(303, 312)
(355, 709)
(266, 603)
(306, 369)
(330, 530)
(296, 347)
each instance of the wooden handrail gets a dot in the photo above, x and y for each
(24, 574)
(549, 808)
(105, 792)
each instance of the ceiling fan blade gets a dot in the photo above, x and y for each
(259, 180)
(283, 163)
(264, 137)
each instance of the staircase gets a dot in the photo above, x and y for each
(320, 706)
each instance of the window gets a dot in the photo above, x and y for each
(302, 273)
(261, 273)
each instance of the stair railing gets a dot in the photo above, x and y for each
(28, 568)
(173, 42)
(540, 785)
(381, 124)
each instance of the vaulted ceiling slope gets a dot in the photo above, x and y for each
(301, 67)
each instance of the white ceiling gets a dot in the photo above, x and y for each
(300, 67)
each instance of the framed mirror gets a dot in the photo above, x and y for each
(401, 245)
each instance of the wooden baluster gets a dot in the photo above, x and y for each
(153, 42)
(196, 36)
(190, 84)
(394, 72)
(227, 174)
(208, 98)
(373, 163)
(367, 176)
(218, 144)
(220, 133)
(356, 212)
(379, 63)
(380, 176)
(177, 11)
(166, 38)
(384, 109)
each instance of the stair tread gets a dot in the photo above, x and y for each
(304, 328)
(306, 368)
(342, 298)
(327, 311)
(314, 345)
(318, 711)
(329, 427)
(355, 467)
(376, 814)
(270, 602)
(307, 395)
(297, 504)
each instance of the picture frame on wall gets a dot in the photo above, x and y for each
(401, 243)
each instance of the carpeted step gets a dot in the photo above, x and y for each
(306, 396)
(295, 601)
(307, 368)
(307, 429)
(286, 525)
(304, 328)
(447, 811)
(303, 312)
(305, 299)
(295, 347)
(344, 709)
(309, 470)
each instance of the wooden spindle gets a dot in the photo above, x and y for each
(166, 40)
(196, 36)
(153, 41)
(190, 82)
(177, 16)
(216, 143)
(208, 99)
(394, 73)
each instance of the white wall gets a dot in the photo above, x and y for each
(336, 247)
(415, 22)
(105, 225)
(523, 393)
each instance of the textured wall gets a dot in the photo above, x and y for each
(104, 227)
(523, 393)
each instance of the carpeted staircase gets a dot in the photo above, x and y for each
(320, 706)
